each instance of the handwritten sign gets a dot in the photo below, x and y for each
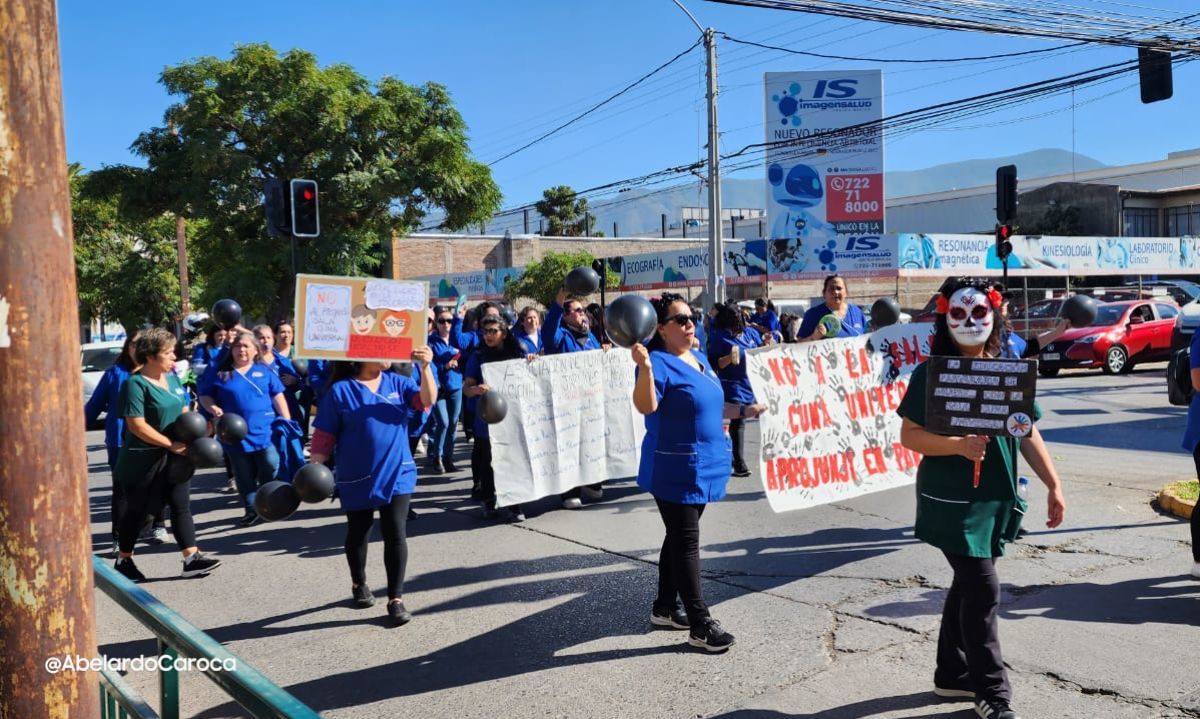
(570, 422)
(986, 396)
(392, 295)
(831, 431)
(359, 318)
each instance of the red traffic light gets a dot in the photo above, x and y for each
(1004, 232)
(308, 194)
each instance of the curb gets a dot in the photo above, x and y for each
(1168, 501)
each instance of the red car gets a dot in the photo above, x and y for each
(1124, 334)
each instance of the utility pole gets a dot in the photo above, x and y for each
(716, 244)
(185, 294)
(45, 535)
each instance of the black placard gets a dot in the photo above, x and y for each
(980, 395)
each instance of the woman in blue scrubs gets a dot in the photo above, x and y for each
(448, 361)
(1191, 443)
(726, 349)
(528, 330)
(854, 322)
(363, 423)
(243, 385)
(107, 398)
(205, 354)
(498, 345)
(685, 463)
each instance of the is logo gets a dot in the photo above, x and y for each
(868, 242)
(827, 256)
(788, 105)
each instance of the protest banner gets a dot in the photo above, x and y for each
(570, 422)
(359, 318)
(988, 396)
(831, 431)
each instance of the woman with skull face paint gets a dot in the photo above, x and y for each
(971, 524)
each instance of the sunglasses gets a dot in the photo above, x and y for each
(492, 331)
(445, 321)
(682, 319)
(978, 312)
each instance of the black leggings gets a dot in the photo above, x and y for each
(147, 500)
(393, 517)
(737, 437)
(679, 560)
(968, 650)
(481, 469)
(1196, 513)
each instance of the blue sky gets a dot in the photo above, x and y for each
(516, 69)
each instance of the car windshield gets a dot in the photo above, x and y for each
(98, 360)
(1047, 308)
(1108, 315)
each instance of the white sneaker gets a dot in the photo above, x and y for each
(1196, 570)
(572, 503)
(420, 451)
(593, 494)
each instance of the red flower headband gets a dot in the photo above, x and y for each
(993, 295)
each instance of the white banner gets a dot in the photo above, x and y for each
(570, 422)
(831, 431)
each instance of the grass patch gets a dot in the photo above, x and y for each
(1188, 490)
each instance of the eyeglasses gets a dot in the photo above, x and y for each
(978, 312)
(445, 321)
(682, 319)
(492, 331)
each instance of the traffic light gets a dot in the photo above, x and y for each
(1006, 193)
(1154, 74)
(276, 204)
(1003, 241)
(306, 219)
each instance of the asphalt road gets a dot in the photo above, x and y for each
(835, 608)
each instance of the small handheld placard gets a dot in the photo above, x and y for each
(980, 395)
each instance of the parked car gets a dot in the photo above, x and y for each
(1124, 334)
(1181, 291)
(1037, 317)
(96, 357)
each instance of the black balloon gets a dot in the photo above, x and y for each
(301, 366)
(492, 407)
(1080, 310)
(313, 483)
(226, 313)
(206, 452)
(276, 500)
(885, 312)
(232, 428)
(582, 281)
(630, 319)
(189, 426)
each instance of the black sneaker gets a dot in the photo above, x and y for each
(709, 636)
(449, 466)
(400, 616)
(670, 617)
(362, 596)
(199, 565)
(516, 514)
(740, 471)
(994, 709)
(489, 509)
(249, 519)
(129, 570)
(954, 690)
(433, 466)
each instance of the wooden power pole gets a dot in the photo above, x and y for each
(46, 586)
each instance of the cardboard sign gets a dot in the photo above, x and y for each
(359, 318)
(980, 395)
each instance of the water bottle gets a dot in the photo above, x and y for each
(1023, 487)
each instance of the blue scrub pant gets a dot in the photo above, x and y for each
(445, 419)
(252, 470)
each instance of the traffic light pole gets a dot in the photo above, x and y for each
(716, 244)
(46, 604)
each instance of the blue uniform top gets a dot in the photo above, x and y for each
(853, 324)
(318, 377)
(1012, 345)
(1191, 436)
(249, 395)
(557, 339)
(733, 377)
(685, 455)
(767, 319)
(282, 366)
(203, 354)
(532, 345)
(418, 423)
(107, 398)
(449, 378)
(372, 459)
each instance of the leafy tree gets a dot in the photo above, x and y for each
(542, 279)
(566, 213)
(125, 269)
(384, 155)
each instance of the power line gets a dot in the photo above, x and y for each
(904, 60)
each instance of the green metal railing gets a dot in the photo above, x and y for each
(179, 638)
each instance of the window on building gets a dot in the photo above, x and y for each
(1141, 222)
(1182, 221)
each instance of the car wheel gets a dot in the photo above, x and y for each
(1115, 360)
(1049, 371)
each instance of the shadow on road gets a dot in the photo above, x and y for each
(864, 709)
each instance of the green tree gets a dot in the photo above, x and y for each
(542, 279)
(566, 213)
(126, 270)
(384, 154)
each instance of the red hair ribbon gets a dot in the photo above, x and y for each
(943, 305)
(995, 298)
